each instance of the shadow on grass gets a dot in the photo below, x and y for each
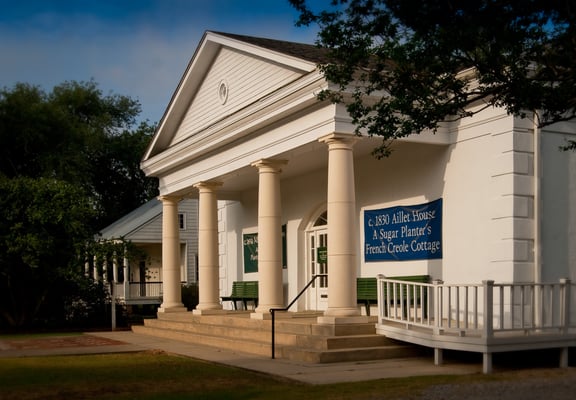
(156, 375)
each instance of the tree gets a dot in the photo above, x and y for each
(115, 174)
(41, 228)
(69, 165)
(405, 66)
(76, 134)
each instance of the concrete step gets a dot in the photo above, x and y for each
(285, 337)
(303, 333)
(245, 346)
(253, 333)
(297, 337)
(342, 342)
(297, 325)
(240, 319)
(347, 355)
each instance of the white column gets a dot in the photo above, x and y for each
(342, 231)
(208, 265)
(95, 275)
(86, 266)
(270, 285)
(115, 268)
(105, 270)
(172, 295)
(113, 293)
(126, 266)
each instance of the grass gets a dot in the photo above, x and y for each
(155, 375)
(38, 335)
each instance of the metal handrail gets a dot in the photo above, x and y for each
(273, 310)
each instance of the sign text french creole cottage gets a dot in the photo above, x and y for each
(403, 233)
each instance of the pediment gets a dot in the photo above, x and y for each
(227, 74)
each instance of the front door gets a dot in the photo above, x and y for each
(317, 241)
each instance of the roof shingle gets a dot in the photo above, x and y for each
(304, 51)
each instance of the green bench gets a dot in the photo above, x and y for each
(367, 289)
(243, 291)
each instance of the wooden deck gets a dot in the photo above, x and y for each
(485, 318)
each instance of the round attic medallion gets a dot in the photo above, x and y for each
(223, 91)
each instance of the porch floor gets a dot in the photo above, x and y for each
(473, 340)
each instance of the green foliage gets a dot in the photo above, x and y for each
(406, 66)
(78, 303)
(41, 226)
(115, 174)
(69, 165)
(190, 296)
(78, 135)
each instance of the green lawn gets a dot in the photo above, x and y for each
(154, 375)
(41, 335)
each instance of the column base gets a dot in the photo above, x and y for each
(172, 309)
(261, 315)
(268, 315)
(208, 306)
(342, 312)
(266, 308)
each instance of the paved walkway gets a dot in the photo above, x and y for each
(126, 341)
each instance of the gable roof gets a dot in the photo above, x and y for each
(304, 51)
(133, 220)
(298, 56)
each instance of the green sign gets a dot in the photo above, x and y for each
(322, 255)
(250, 245)
(250, 249)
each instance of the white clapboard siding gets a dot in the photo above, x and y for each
(149, 232)
(248, 79)
(189, 236)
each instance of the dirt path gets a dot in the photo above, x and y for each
(51, 342)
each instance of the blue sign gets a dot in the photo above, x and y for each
(403, 233)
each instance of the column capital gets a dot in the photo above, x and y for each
(208, 185)
(169, 198)
(269, 165)
(342, 139)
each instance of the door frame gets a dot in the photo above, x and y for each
(316, 236)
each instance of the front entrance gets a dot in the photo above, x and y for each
(317, 263)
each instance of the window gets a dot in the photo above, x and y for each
(322, 219)
(182, 221)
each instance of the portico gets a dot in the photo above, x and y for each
(340, 201)
(241, 154)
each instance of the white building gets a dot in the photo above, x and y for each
(490, 197)
(142, 277)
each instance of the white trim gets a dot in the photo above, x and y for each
(197, 67)
(297, 96)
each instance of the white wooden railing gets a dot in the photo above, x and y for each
(137, 290)
(487, 318)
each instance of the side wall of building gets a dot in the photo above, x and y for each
(490, 206)
(558, 198)
(149, 237)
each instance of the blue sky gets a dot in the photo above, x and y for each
(138, 48)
